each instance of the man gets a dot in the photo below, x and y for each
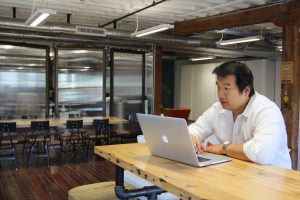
(248, 125)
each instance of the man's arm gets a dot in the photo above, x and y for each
(233, 150)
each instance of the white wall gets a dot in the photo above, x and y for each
(195, 84)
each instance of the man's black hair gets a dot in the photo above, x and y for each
(243, 75)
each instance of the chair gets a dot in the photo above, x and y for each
(101, 133)
(25, 130)
(29, 117)
(38, 141)
(6, 117)
(32, 117)
(177, 112)
(24, 117)
(74, 115)
(75, 137)
(8, 150)
(132, 130)
(71, 115)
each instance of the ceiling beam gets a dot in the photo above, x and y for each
(292, 17)
(279, 12)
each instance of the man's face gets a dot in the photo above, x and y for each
(230, 96)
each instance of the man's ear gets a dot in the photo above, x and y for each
(247, 90)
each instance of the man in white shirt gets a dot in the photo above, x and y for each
(248, 125)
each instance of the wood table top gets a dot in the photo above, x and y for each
(232, 180)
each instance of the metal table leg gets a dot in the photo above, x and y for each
(150, 192)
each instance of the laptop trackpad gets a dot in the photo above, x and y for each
(201, 159)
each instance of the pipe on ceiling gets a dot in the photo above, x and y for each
(66, 33)
(54, 32)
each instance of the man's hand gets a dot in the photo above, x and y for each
(234, 150)
(198, 146)
(215, 148)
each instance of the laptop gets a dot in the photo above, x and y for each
(169, 138)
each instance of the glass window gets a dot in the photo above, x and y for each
(80, 81)
(128, 84)
(23, 82)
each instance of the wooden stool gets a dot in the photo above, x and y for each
(103, 191)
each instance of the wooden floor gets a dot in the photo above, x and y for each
(54, 182)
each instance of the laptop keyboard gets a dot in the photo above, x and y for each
(201, 159)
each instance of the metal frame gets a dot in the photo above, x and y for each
(151, 192)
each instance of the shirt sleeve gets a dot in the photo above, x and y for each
(268, 134)
(203, 127)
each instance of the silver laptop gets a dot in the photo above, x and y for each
(169, 138)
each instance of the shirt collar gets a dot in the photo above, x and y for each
(247, 109)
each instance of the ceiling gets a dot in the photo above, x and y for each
(99, 12)
(96, 13)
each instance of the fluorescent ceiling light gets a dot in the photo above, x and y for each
(240, 40)
(152, 30)
(39, 16)
(80, 51)
(202, 58)
(6, 47)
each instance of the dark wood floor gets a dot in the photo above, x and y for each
(54, 182)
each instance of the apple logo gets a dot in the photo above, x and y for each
(165, 138)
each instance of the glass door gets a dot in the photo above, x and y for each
(127, 83)
(80, 82)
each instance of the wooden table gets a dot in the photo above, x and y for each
(227, 181)
(60, 122)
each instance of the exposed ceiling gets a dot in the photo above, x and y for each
(99, 12)
(96, 13)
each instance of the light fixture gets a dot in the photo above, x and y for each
(39, 16)
(240, 40)
(202, 58)
(80, 51)
(6, 46)
(279, 48)
(152, 30)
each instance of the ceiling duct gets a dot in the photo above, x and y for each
(53, 32)
(85, 30)
(69, 31)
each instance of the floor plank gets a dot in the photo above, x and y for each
(54, 182)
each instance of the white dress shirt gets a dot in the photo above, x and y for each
(260, 128)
